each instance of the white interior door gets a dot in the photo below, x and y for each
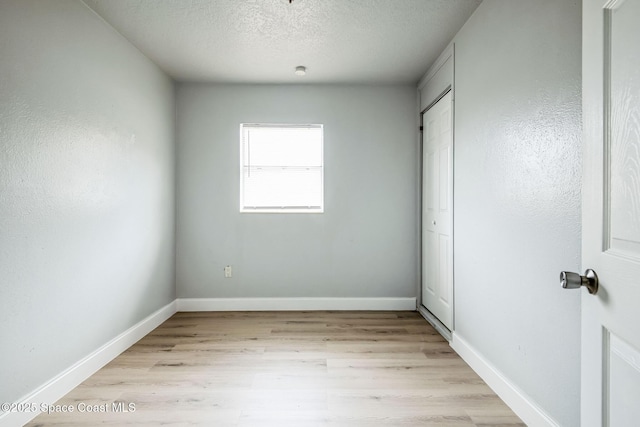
(437, 211)
(611, 213)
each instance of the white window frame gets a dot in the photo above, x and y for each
(279, 209)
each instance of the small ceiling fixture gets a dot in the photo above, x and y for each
(301, 70)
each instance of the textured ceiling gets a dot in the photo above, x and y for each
(262, 41)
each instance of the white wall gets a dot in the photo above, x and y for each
(517, 195)
(86, 189)
(364, 245)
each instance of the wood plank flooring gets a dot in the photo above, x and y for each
(286, 369)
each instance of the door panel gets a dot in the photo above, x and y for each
(624, 382)
(430, 182)
(443, 270)
(624, 139)
(430, 281)
(437, 221)
(443, 169)
(610, 372)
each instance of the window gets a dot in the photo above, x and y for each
(281, 168)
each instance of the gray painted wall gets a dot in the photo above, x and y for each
(364, 245)
(86, 189)
(87, 192)
(517, 194)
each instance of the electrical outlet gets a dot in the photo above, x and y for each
(227, 271)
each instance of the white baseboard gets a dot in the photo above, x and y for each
(67, 380)
(516, 399)
(288, 304)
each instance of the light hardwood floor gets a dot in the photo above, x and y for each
(287, 369)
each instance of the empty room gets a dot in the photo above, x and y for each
(319, 213)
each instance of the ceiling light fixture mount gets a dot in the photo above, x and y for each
(301, 70)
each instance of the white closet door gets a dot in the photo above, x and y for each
(437, 211)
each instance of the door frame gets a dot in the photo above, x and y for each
(436, 83)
